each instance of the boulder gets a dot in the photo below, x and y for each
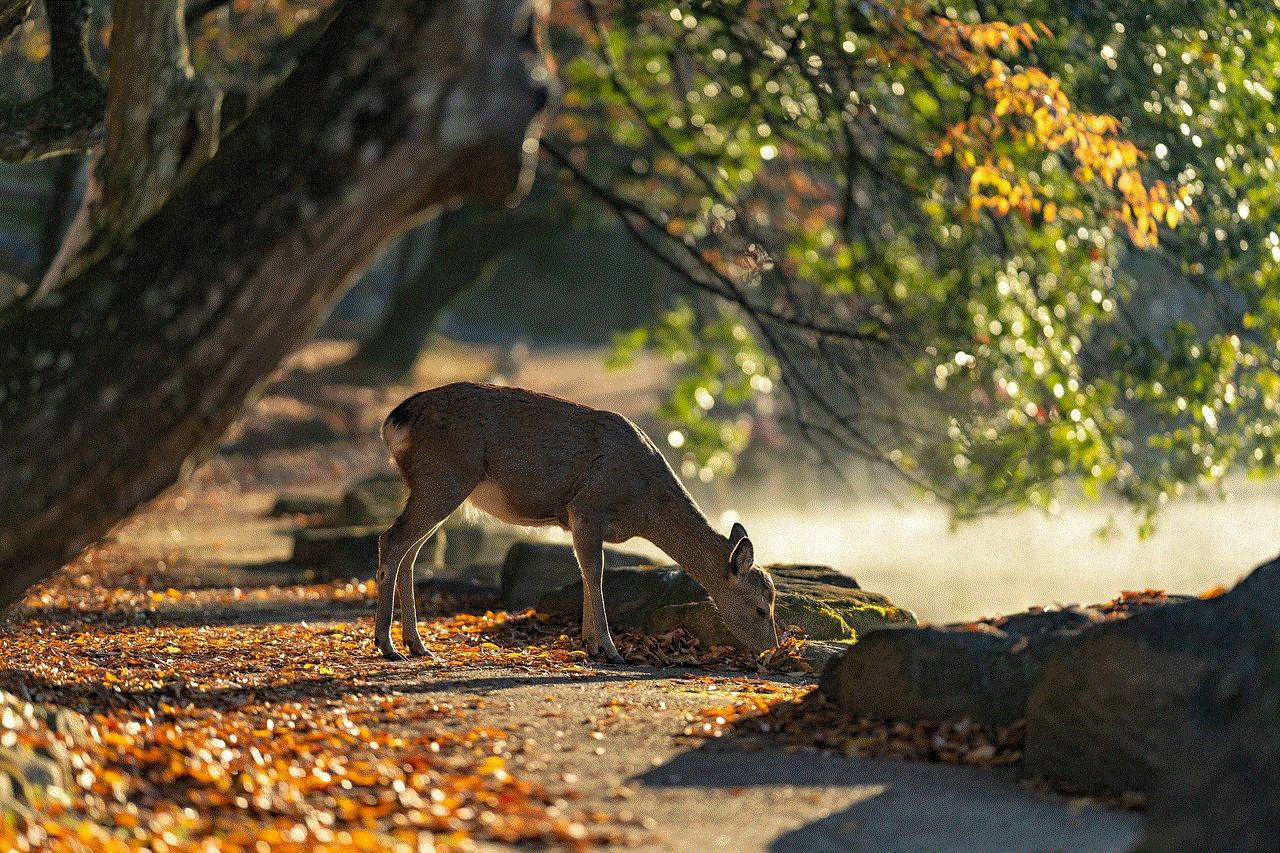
(374, 501)
(829, 605)
(1113, 699)
(979, 672)
(531, 570)
(822, 601)
(1216, 788)
(302, 505)
(937, 674)
(344, 544)
(333, 553)
(631, 595)
(35, 759)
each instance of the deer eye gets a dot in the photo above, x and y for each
(762, 613)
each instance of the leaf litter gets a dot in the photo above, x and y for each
(208, 731)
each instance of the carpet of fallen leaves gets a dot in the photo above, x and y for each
(210, 729)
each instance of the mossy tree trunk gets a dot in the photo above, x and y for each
(132, 369)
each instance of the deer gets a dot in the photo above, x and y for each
(535, 460)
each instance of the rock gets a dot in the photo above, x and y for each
(822, 601)
(981, 672)
(631, 595)
(829, 605)
(1039, 622)
(374, 501)
(337, 552)
(700, 617)
(1216, 788)
(951, 672)
(302, 505)
(1111, 700)
(36, 760)
(531, 570)
(938, 674)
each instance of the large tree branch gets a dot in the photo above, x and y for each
(161, 122)
(135, 367)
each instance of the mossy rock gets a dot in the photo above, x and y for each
(826, 604)
(631, 595)
(831, 606)
(700, 617)
(532, 570)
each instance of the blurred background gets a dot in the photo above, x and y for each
(977, 365)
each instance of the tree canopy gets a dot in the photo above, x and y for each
(1000, 247)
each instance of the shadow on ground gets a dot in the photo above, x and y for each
(900, 806)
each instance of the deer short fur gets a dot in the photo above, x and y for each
(535, 460)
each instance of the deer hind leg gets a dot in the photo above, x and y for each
(588, 547)
(397, 550)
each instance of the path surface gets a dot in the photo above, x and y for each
(708, 797)
(615, 740)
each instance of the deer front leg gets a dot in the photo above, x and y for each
(408, 608)
(588, 547)
(390, 558)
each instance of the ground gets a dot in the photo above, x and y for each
(234, 703)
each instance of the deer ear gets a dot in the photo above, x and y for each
(737, 532)
(743, 556)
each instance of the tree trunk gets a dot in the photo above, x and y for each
(129, 371)
(469, 247)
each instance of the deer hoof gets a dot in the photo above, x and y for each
(392, 654)
(610, 655)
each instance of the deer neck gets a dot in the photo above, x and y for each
(686, 537)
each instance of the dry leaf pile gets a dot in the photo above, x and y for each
(213, 730)
(221, 737)
(812, 721)
(1125, 604)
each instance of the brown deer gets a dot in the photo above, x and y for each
(535, 460)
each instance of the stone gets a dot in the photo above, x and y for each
(1112, 700)
(829, 605)
(39, 761)
(631, 595)
(958, 672)
(374, 501)
(938, 674)
(531, 570)
(699, 617)
(823, 602)
(302, 505)
(1216, 788)
(333, 553)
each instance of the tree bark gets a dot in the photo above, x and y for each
(68, 117)
(161, 121)
(469, 247)
(118, 379)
